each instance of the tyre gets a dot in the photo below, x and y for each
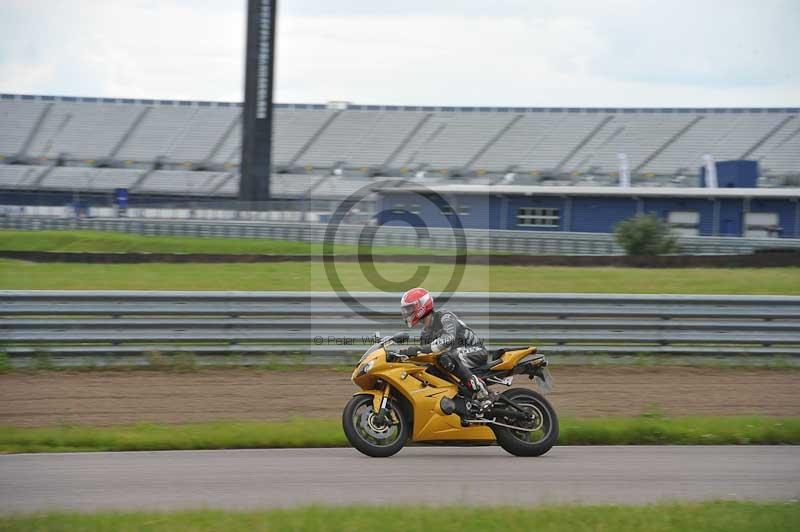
(367, 434)
(540, 433)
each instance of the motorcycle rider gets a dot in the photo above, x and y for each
(443, 331)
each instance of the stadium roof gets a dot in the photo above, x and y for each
(357, 107)
(516, 190)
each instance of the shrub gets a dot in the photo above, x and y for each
(645, 235)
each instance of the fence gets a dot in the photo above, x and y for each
(108, 325)
(502, 241)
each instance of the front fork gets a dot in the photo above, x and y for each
(379, 401)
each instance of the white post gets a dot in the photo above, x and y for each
(624, 171)
(711, 171)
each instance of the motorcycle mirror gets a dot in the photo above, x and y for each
(400, 337)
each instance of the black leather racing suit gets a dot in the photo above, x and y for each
(464, 349)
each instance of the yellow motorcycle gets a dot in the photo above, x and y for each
(411, 398)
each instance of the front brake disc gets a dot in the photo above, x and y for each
(370, 428)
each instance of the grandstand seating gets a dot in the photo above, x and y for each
(16, 121)
(171, 182)
(182, 182)
(292, 132)
(181, 147)
(22, 177)
(449, 140)
(636, 135)
(780, 154)
(85, 178)
(360, 139)
(80, 131)
(282, 185)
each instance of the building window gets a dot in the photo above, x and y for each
(538, 217)
(463, 210)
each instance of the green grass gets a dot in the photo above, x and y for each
(642, 430)
(653, 429)
(111, 242)
(16, 274)
(305, 276)
(666, 517)
(148, 437)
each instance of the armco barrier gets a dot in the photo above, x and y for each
(120, 323)
(502, 241)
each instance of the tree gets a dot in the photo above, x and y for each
(645, 234)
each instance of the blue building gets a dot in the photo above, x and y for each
(752, 212)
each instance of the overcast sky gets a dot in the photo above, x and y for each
(659, 53)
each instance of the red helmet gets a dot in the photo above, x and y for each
(415, 305)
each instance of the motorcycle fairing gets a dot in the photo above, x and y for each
(424, 391)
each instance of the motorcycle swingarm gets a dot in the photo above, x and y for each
(512, 404)
(508, 413)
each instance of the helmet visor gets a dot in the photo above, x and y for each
(407, 311)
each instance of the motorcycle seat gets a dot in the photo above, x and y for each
(494, 355)
(503, 359)
(510, 357)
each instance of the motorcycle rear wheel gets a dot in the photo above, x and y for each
(367, 434)
(545, 423)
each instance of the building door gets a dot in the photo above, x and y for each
(728, 228)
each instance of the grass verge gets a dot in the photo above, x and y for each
(648, 429)
(19, 275)
(678, 517)
(111, 242)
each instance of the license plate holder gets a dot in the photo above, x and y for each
(544, 379)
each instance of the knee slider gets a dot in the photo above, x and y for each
(447, 362)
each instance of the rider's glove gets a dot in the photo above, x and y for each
(409, 351)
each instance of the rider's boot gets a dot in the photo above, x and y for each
(481, 400)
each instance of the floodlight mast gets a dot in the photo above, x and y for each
(256, 164)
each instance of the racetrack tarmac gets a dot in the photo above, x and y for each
(431, 475)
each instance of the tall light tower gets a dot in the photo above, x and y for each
(257, 112)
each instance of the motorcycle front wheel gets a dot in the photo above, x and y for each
(368, 434)
(535, 436)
